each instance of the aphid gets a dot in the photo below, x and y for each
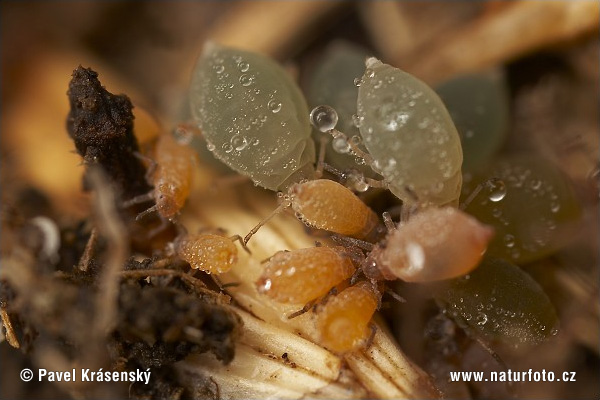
(410, 136)
(253, 116)
(171, 172)
(435, 244)
(343, 322)
(211, 253)
(303, 275)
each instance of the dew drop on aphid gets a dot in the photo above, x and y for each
(274, 106)
(509, 240)
(210, 146)
(358, 82)
(356, 120)
(246, 80)
(324, 118)
(243, 66)
(239, 142)
(340, 145)
(496, 190)
(369, 73)
(219, 68)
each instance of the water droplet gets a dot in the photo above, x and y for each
(274, 105)
(219, 68)
(496, 190)
(210, 146)
(356, 120)
(358, 82)
(554, 206)
(509, 240)
(535, 184)
(324, 118)
(340, 145)
(239, 142)
(227, 148)
(246, 80)
(369, 73)
(482, 319)
(243, 66)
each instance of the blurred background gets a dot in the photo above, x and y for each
(543, 54)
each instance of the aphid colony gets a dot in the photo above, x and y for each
(254, 118)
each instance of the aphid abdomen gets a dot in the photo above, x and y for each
(326, 204)
(437, 244)
(253, 116)
(213, 254)
(303, 275)
(408, 131)
(343, 322)
(173, 176)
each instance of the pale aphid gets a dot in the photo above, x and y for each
(171, 171)
(343, 322)
(303, 275)
(436, 244)
(253, 116)
(213, 254)
(328, 205)
(410, 136)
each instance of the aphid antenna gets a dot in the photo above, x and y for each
(282, 207)
(487, 184)
(387, 220)
(150, 210)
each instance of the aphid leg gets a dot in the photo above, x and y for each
(387, 220)
(241, 240)
(9, 334)
(332, 292)
(303, 310)
(152, 165)
(142, 198)
(284, 205)
(164, 223)
(488, 183)
(349, 242)
(321, 160)
(371, 336)
(395, 295)
(356, 276)
(353, 143)
(88, 252)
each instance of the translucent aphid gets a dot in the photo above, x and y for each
(410, 136)
(479, 106)
(436, 244)
(171, 171)
(343, 322)
(499, 301)
(303, 275)
(253, 116)
(530, 204)
(213, 254)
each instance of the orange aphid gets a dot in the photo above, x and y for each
(343, 322)
(436, 244)
(303, 275)
(213, 254)
(172, 178)
(326, 204)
